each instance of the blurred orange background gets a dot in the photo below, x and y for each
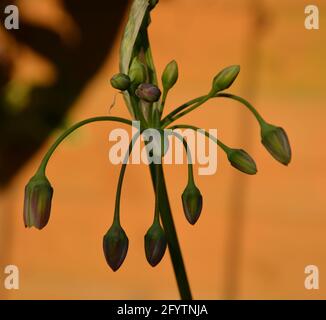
(256, 234)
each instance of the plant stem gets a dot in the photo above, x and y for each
(245, 103)
(116, 218)
(171, 234)
(195, 103)
(224, 147)
(72, 129)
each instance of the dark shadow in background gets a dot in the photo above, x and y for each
(23, 133)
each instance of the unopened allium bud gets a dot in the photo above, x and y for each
(192, 202)
(115, 246)
(137, 72)
(155, 244)
(276, 142)
(242, 161)
(148, 92)
(170, 75)
(37, 203)
(225, 78)
(120, 81)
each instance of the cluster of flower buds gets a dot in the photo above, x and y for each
(146, 103)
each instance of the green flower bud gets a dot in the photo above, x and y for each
(137, 72)
(170, 75)
(242, 161)
(37, 203)
(276, 142)
(153, 3)
(155, 244)
(192, 202)
(120, 81)
(115, 246)
(225, 78)
(148, 92)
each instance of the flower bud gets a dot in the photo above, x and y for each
(155, 244)
(276, 142)
(225, 78)
(148, 92)
(137, 72)
(242, 161)
(120, 81)
(170, 75)
(192, 202)
(37, 203)
(115, 246)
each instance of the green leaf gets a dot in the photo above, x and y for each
(136, 17)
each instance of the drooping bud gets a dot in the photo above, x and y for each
(192, 202)
(242, 161)
(155, 244)
(148, 92)
(153, 3)
(276, 142)
(170, 75)
(120, 81)
(137, 72)
(225, 78)
(37, 203)
(115, 246)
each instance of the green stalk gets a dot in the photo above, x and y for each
(116, 218)
(170, 232)
(191, 108)
(245, 103)
(189, 158)
(195, 103)
(171, 115)
(225, 148)
(65, 134)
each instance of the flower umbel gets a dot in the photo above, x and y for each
(137, 80)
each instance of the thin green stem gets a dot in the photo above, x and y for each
(179, 109)
(245, 103)
(188, 152)
(225, 148)
(72, 129)
(191, 108)
(116, 218)
(171, 234)
(164, 96)
(157, 208)
(195, 103)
